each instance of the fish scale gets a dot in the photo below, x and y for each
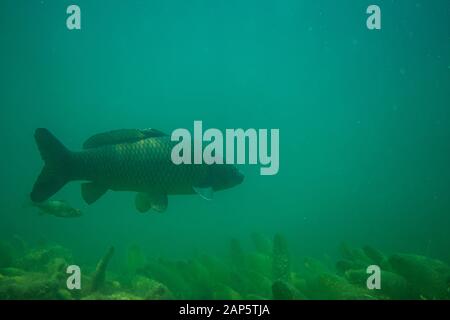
(127, 160)
(137, 165)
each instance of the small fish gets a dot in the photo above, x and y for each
(127, 160)
(57, 208)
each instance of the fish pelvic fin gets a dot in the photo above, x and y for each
(206, 193)
(155, 201)
(55, 173)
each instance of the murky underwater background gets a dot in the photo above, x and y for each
(364, 146)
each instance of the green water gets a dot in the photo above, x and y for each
(363, 116)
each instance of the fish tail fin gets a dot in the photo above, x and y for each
(55, 173)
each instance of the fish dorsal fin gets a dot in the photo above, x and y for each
(153, 133)
(120, 136)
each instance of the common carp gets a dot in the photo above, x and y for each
(127, 160)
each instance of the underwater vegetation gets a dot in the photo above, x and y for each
(267, 271)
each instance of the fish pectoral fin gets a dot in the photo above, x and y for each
(205, 192)
(92, 191)
(147, 201)
(153, 133)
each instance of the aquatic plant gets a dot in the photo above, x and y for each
(393, 285)
(38, 258)
(357, 255)
(224, 292)
(262, 244)
(150, 289)
(168, 275)
(260, 263)
(281, 264)
(237, 255)
(98, 279)
(135, 259)
(333, 287)
(375, 255)
(282, 291)
(428, 276)
(18, 245)
(39, 273)
(315, 266)
(6, 255)
(344, 265)
(121, 295)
